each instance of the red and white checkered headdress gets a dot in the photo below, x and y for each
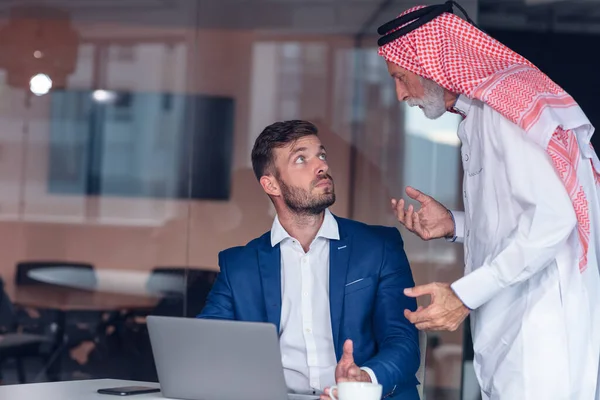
(464, 60)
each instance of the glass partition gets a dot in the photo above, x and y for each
(125, 162)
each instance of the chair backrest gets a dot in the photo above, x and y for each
(421, 370)
(24, 267)
(155, 280)
(7, 312)
(196, 288)
(188, 276)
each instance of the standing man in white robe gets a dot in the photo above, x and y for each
(531, 222)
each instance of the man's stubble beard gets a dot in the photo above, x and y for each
(303, 202)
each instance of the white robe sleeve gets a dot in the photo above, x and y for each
(545, 223)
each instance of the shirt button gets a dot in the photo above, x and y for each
(305, 294)
(308, 330)
(466, 157)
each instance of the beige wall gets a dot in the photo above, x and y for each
(143, 233)
(139, 234)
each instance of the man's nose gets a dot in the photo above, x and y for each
(322, 168)
(401, 92)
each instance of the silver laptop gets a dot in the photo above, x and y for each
(198, 359)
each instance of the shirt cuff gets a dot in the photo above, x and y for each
(458, 217)
(477, 288)
(371, 374)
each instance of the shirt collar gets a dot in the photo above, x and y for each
(328, 230)
(461, 105)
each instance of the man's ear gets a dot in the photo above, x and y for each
(269, 185)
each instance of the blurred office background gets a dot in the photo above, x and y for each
(125, 135)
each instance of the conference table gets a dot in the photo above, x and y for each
(68, 290)
(73, 390)
(85, 390)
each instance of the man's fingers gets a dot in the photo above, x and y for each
(417, 225)
(394, 203)
(411, 316)
(416, 194)
(428, 318)
(421, 315)
(408, 313)
(348, 350)
(325, 395)
(426, 326)
(398, 208)
(421, 290)
(434, 324)
(408, 218)
(353, 373)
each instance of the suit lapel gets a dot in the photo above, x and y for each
(269, 260)
(339, 256)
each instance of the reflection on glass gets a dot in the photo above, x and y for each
(40, 84)
(398, 146)
(116, 143)
(432, 156)
(123, 181)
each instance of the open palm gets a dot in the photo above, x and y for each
(431, 221)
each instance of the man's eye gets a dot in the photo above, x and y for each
(323, 156)
(300, 160)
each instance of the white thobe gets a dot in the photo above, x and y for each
(536, 317)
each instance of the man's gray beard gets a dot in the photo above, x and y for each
(432, 103)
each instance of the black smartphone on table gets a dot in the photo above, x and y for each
(128, 390)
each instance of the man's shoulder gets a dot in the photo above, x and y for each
(376, 232)
(238, 253)
(495, 117)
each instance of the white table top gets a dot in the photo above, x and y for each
(109, 280)
(73, 390)
(86, 390)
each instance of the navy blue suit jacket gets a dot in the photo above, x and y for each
(368, 271)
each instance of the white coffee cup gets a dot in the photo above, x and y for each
(356, 391)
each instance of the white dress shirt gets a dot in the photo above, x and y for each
(532, 324)
(306, 338)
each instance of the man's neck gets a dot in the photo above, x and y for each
(450, 99)
(301, 227)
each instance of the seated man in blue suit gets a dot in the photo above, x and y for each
(333, 287)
